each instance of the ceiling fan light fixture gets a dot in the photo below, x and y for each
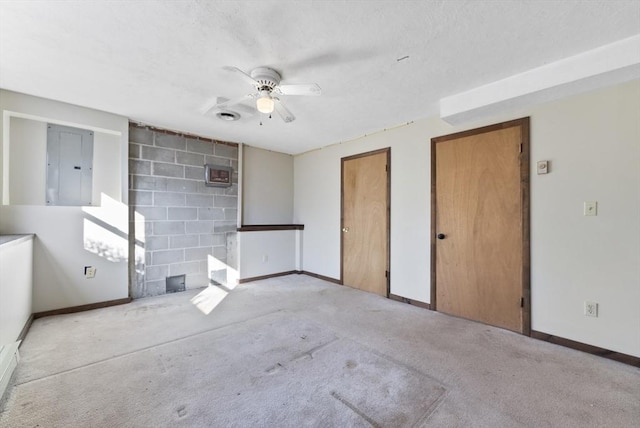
(265, 103)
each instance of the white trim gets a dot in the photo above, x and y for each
(607, 65)
(6, 145)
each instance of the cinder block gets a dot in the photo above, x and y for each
(199, 227)
(210, 214)
(154, 288)
(230, 214)
(156, 272)
(184, 268)
(168, 199)
(168, 170)
(134, 151)
(204, 266)
(221, 201)
(204, 189)
(218, 161)
(153, 243)
(148, 228)
(165, 257)
(231, 190)
(197, 146)
(182, 185)
(212, 239)
(226, 151)
(140, 197)
(186, 158)
(196, 280)
(199, 200)
(158, 155)
(139, 167)
(170, 141)
(194, 172)
(152, 213)
(140, 135)
(148, 183)
(224, 226)
(168, 228)
(183, 213)
(202, 253)
(220, 253)
(184, 241)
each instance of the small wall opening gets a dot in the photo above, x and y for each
(176, 283)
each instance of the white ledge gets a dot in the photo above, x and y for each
(604, 66)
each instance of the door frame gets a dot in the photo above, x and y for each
(523, 123)
(386, 150)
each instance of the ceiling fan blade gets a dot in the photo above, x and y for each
(225, 104)
(243, 75)
(284, 112)
(209, 106)
(302, 89)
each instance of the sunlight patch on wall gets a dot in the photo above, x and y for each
(106, 229)
(222, 273)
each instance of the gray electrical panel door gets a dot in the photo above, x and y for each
(69, 165)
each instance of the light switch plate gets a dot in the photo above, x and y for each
(591, 208)
(543, 167)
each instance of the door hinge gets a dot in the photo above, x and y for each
(520, 147)
(386, 168)
(522, 302)
(386, 274)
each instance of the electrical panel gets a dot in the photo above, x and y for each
(69, 166)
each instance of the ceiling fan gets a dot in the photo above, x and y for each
(266, 82)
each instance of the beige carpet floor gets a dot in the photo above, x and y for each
(297, 351)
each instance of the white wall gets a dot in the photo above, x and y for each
(267, 252)
(593, 143)
(267, 198)
(267, 195)
(68, 238)
(27, 171)
(16, 278)
(317, 204)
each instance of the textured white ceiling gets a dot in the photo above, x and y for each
(160, 62)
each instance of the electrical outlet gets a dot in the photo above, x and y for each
(590, 309)
(89, 272)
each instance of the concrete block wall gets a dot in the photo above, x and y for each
(178, 223)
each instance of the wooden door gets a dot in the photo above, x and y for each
(365, 221)
(481, 229)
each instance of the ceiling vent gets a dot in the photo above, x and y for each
(228, 116)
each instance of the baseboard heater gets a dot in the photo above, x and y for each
(9, 358)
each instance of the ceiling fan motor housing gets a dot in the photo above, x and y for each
(267, 78)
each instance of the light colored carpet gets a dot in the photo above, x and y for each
(297, 351)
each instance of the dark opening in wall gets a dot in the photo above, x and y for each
(176, 283)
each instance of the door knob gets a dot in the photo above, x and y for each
(345, 229)
(440, 236)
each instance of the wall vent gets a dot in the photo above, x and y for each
(176, 283)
